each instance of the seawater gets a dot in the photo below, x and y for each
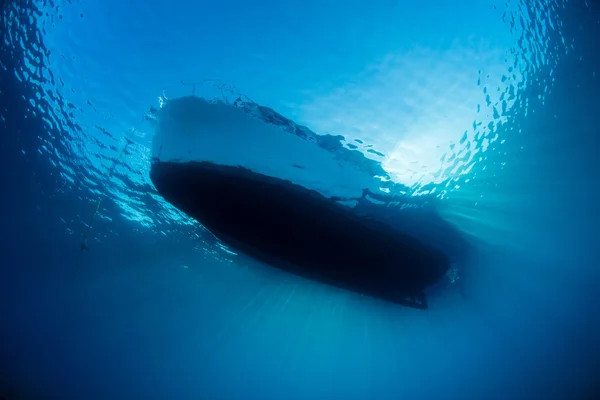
(487, 109)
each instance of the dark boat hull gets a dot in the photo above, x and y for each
(301, 231)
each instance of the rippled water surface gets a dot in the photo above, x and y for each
(482, 114)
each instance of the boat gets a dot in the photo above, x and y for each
(246, 181)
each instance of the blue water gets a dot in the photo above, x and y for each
(489, 110)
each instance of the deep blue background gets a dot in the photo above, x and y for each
(137, 324)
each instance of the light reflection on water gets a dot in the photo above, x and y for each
(428, 92)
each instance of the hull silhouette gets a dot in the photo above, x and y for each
(301, 231)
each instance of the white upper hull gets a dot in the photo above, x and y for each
(192, 129)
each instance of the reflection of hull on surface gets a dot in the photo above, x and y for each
(301, 231)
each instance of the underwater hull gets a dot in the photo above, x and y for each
(301, 231)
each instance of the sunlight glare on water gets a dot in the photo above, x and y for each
(416, 105)
(422, 96)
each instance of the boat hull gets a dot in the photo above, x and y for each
(301, 231)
